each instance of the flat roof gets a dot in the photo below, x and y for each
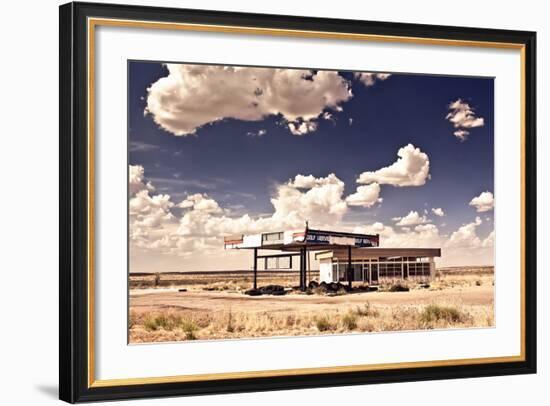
(376, 252)
(298, 239)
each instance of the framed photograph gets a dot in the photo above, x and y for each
(258, 202)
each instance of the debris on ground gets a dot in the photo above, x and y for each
(275, 290)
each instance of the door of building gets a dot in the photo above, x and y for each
(373, 274)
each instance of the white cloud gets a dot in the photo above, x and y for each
(463, 118)
(411, 219)
(489, 241)
(136, 180)
(465, 236)
(303, 182)
(438, 212)
(200, 202)
(464, 247)
(192, 96)
(329, 117)
(411, 169)
(370, 78)
(150, 211)
(259, 133)
(365, 196)
(196, 235)
(426, 228)
(322, 202)
(142, 146)
(302, 127)
(203, 223)
(484, 202)
(424, 236)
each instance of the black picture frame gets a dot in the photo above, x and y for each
(74, 383)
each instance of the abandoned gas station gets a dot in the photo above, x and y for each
(342, 256)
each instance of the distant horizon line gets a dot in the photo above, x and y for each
(276, 270)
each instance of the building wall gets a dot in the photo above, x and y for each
(374, 272)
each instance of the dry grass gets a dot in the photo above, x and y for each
(177, 327)
(196, 315)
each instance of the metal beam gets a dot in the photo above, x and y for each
(303, 269)
(255, 268)
(279, 255)
(350, 269)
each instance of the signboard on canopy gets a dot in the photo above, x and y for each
(338, 238)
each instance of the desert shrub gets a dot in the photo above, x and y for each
(365, 324)
(132, 321)
(230, 327)
(478, 282)
(323, 324)
(154, 323)
(350, 321)
(149, 324)
(171, 322)
(319, 290)
(398, 287)
(341, 291)
(190, 328)
(433, 313)
(366, 310)
(157, 279)
(290, 320)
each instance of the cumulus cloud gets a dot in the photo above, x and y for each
(465, 236)
(302, 127)
(365, 196)
(200, 202)
(463, 118)
(370, 78)
(412, 168)
(202, 223)
(425, 236)
(438, 212)
(150, 211)
(411, 219)
(463, 247)
(198, 222)
(136, 180)
(484, 202)
(321, 201)
(305, 197)
(192, 96)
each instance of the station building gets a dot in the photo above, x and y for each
(343, 257)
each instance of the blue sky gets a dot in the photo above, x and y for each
(240, 163)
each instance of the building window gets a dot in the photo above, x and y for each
(271, 237)
(419, 269)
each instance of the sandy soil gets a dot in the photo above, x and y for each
(217, 308)
(221, 301)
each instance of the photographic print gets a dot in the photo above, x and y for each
(273, 201)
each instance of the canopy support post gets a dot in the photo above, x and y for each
(255, 268)
(350, 269)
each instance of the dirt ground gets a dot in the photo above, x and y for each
(214, 309)
(221, 301)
